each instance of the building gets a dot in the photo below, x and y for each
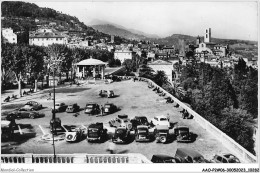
(46, 37)
(162, 65)
(9, 35)
(112, 39)
(122, 55)
(207, 36)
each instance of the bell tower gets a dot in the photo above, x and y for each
(207, 36)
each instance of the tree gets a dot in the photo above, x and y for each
(146, 71)
(235, 124)
(14, 60)
(128, 63)
(160, 78)
(34, 62)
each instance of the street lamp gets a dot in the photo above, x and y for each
(52, 62)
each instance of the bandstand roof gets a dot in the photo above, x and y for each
(91, 61)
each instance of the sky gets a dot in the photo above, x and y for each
(228, 20)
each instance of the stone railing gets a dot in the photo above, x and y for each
(131, 158)
(244, 155)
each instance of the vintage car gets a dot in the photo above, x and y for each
(109, 108)
(7, 128)
(160, 120)
(73, 108)
(182, 134)
(186, 155)
(60, 107)
(106, 93)
(108, 81)
(74, 135)
(161, 158)
(55, 124)
(24, 113)
(32, 105)
(139, 120)
(186, 115)
(225, 158)
(122, 135)
(161, 133)
(96, 132)
(92, 108)
(142, 134)
(121, 121)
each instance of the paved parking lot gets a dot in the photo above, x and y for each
(133, 98)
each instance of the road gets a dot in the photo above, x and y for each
(133, 98)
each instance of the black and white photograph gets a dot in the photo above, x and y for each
(129, 84)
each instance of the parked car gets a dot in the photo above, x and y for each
(122, 135)
(225, 158)
(160, 120)
(142, 134)
(139, 120)
(60, 107)
(182, 134)
(109, 108)
(55, 124)
(24, 113)
(106, 93)
(186, 155)
(96, 132)
(161, 158)
(161, 133)
(74, 135)
(32, 105)
(7, 128)
(108, 81)
(121, 121)
(92, 108)
(73, 108)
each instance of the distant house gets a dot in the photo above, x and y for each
(122, 55)
(46, 37)
(162, 65)
(162, 55)
(9, 35)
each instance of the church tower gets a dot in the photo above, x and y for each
(207, 37)
(198, 40)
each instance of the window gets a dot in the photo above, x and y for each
(225, 161)
(206, 35)
(206, 31)
(219, 158)
(56, 39)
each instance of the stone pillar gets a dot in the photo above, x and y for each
(83, 72)
(94, 71)
(102, 72)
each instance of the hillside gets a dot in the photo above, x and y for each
(23, 17)
(113, 30)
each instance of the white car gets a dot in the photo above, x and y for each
(160, 120)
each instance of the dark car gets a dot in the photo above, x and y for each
(186, 155)
(109, 108)
(92, 108)
(55, 124)
(73, 108)
(106, 93)
(161, 158)
(121, 121)
(122, 135)
(182, 134)
(24, 113)
(32, 105)
(161, 133)
(139, 120)
(60, 107)
(225, 158)
(96, 132)
(142, 134)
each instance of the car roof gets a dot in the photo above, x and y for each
(122, 116)
(188, 152)
(182, 127)
(140, 116)
(162, 127)
(96, 125)
(162, 156)
(108, 103)
(5, 123)
(91, 103)
(161, 116)
(121, 128)
(142, 126)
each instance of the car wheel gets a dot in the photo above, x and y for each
(31, 116)
(162, 139)
(69, 137)
(32, 109)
